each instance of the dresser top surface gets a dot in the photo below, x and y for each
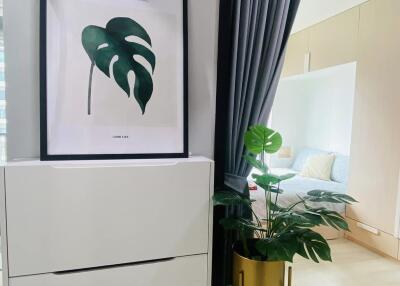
(102, 163)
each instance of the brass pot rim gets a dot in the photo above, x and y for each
(256, 261)
(234, 248)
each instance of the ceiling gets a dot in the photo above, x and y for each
(313, 11)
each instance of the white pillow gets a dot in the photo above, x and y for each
(319, 167)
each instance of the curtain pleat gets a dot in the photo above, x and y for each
(260, 30)
(258, 47)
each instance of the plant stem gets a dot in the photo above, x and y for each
(276, 197)
(259, 224)
(256, 217)
(277, 194)
(266, 212)
(270, 212)
(266, 198)
(296, 204)
(90, 88)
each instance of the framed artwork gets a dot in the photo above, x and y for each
(113, 79)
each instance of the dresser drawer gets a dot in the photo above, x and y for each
(189, 271)
(76, 216)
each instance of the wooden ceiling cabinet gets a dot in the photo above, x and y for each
(334, 41)
(296, 53)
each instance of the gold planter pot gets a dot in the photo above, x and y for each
(247, 272)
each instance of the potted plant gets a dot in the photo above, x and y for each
(267, 243)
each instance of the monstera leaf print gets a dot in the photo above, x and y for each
(105, 46)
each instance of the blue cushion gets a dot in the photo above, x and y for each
(303, 155)
(340, 169)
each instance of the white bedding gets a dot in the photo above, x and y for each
(298, 186)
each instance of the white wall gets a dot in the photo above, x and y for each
(203, 50)
(21, 29)
(316, 110)
(21, 39)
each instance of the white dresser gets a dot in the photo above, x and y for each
(101, 223)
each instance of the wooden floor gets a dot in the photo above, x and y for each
(353, 266)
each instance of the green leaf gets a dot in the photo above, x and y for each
(278, 249)
(294, 219)
(329, 197)
(262, 139)
(258, 164)
(104, 44)
(327, 217)
(265, 180)
(285, 177)
(305, 242)
(312, 245)
(230, 199)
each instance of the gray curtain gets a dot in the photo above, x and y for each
(260, 32)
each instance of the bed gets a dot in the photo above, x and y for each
(299, 185)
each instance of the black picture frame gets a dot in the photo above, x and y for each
(44, 156)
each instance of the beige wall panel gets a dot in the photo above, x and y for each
(398, 250)
(375, 151)
(382, 242)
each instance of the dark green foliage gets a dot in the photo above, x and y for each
(324, 196)
(225, 198)
(103, 44)
(286, 231)
(312, 245)
(305, 242)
